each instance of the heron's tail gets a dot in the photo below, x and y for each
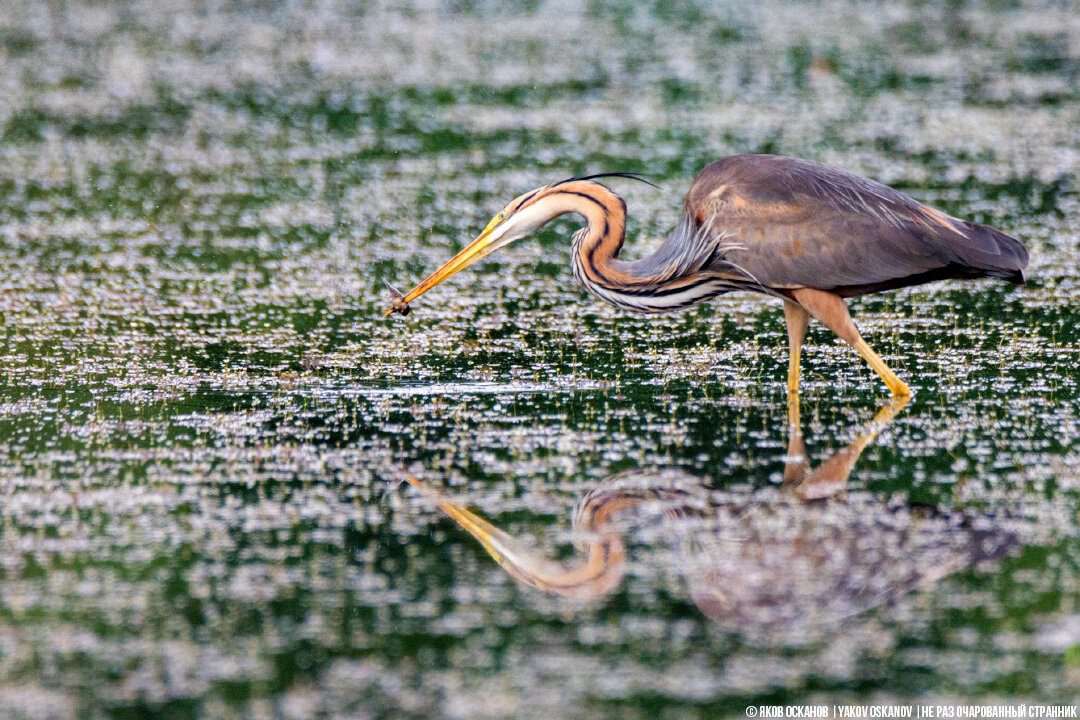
(992, 253)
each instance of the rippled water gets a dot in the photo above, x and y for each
(204, 422)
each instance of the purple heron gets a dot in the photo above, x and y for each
(806, 233)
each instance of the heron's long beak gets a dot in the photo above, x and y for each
(479, 248)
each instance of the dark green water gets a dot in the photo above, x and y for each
(201, 410)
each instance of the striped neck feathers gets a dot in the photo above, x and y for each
(676, 276)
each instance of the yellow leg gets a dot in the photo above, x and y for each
(833, 313)
(797, 318)
(896, 386)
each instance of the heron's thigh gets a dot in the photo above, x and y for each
(797, 319)
(830, 309)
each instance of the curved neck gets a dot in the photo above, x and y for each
(676, 276)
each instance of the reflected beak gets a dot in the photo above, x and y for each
(497, 543)
(479, 248)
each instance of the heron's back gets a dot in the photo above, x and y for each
(794, 223)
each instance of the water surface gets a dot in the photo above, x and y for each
(201, 410)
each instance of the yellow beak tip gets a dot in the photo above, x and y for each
(475, 250)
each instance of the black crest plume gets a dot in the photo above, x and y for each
(628, 175)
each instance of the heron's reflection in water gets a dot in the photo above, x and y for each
(807, 554)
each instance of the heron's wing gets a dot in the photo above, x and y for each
(791, 223)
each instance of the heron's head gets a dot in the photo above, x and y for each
(524, 215)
